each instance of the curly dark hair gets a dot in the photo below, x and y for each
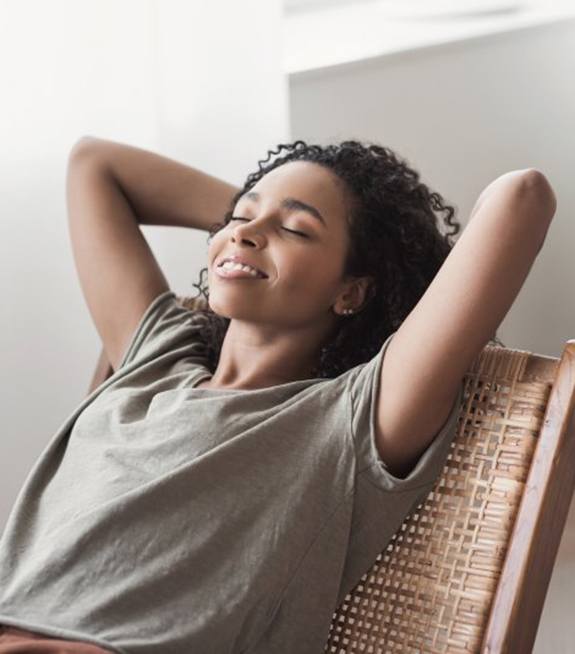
(394, 238)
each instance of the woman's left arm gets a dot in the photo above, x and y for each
(459, 313)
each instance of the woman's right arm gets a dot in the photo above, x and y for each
(161, 191)
(111, 189)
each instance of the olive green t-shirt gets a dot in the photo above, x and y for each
(162, 518)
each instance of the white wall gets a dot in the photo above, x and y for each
(170, 76)
(463, 114)
(202, 82)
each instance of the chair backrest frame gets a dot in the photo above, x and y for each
(518, 602)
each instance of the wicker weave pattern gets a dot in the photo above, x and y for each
(431, 589)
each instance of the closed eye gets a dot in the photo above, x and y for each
(293, 231)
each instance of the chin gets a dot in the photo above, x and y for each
(220, 310)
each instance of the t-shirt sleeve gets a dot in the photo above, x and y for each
(363, 394)
(164, 327)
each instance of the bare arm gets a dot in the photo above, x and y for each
(459, 312)
(110, 188)
(159, 190)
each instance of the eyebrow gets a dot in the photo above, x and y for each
(289, 203)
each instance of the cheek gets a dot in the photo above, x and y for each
(215, 247)
(310, 277)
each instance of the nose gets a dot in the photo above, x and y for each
(245, 232)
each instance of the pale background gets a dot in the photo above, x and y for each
(216, 84)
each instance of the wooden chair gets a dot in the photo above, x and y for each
(468, 570)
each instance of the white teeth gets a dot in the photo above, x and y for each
(230, 265)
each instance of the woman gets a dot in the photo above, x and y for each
(245, 464)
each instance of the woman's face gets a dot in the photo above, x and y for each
(304, 271)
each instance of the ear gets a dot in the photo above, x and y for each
(356, 293)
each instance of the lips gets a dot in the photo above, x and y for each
(241, 260)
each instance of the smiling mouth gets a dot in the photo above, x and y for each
(236, 274)
(250, 271)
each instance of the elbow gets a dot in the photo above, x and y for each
(83, 145)
(539, 190)
(542, 202)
